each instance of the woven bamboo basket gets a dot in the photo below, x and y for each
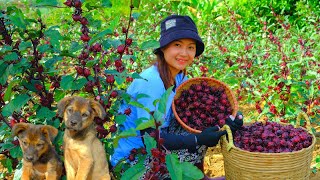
(244, 165)
(213, 83)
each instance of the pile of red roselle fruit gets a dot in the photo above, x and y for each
(271, 137)
(203, 106)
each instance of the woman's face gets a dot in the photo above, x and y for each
(179, 54)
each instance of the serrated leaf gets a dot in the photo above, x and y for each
(79, 83)
(46, 3)
(120, 119)
(151, 44)
(106, 3)
(15, 104)
(65, 82)
(142, 96)
(45, 113)
(146, 124)
(17, 18)
(136, 3)
(174, 169)
(128, 133)
(5, 48)
(136, 76)
(24, 45)
(189, 171)
(163, 100)
(50, 63)
(136, 104)
(16, 152)
(43, 48)
(119, 79)
(11, 57)
(7, 94)
(150, 142)
(100, 36)
(134, 172)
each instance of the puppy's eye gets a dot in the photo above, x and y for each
(85, 115)
(40, 145)
(70, 110)
(24, 143)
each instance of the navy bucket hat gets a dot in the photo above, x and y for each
(176, 27)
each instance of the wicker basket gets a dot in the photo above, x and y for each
(244, 165)
(212, 82)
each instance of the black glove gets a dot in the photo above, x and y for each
(210, 136)
(236, 123)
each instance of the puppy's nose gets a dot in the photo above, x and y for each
(73, 123)
(29, 158)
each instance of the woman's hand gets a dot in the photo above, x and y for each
(235, 123)
(210, 136)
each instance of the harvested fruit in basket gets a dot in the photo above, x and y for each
(272, 137)
(202, 105)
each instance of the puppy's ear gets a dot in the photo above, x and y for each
(19, 128)
(49, 132)
(62, 104)
(98, 109)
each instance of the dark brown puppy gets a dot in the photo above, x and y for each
(84, 154)
(40, 160)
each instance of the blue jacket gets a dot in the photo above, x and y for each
(152, 85)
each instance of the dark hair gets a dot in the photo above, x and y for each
(164, 70)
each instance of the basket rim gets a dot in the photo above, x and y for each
(188, 81)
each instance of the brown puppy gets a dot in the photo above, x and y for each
(84, 154)
(40, 160)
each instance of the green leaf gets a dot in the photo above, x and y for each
(54, 35)
(120, 119)
(151, 44)
(164, 99)
(46, 2)
(136, 3)
(79, 83)
(43, 48)
(142, 96)
(17, 18)
(8, 92)
(189, 171)
(136, 76)
(16, 152)
(50, 63)
(15, 104)
(106, 3)
(100, 36)
(134, 172)
(65, 83)
(119, 79)
(25, 45)
(128, 133)
(11, 57)
(174, 169)
(136, 104)
(75, 46)
(145, 124)
(150, 142)
(5, 48)
(45, 113)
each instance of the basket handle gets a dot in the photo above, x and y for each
(230, 137)
(305, 116)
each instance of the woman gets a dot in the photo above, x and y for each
(179, 45)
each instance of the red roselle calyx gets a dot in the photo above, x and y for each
(203, 106)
